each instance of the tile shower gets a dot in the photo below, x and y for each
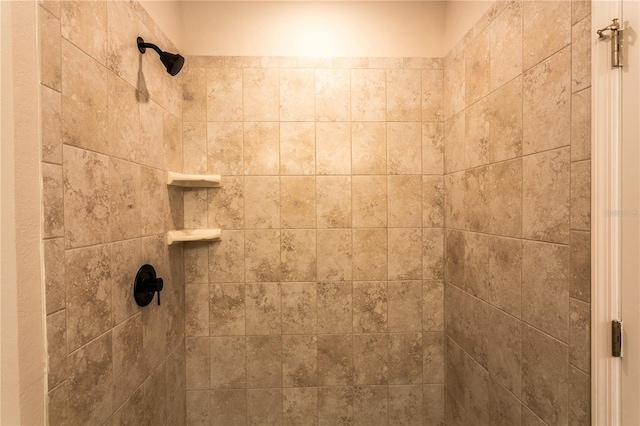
(405, 240)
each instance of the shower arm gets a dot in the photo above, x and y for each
(142, 45)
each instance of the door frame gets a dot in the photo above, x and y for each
(606, 130)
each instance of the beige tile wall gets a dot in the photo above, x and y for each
(517, 217)
(323, 302)
(111, 126)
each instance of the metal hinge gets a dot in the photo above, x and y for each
(616, 338)
(616, 42)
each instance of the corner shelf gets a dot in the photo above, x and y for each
(186, 235)
(193, 181)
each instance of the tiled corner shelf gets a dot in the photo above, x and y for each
(193, 181)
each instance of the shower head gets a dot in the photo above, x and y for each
(173, 62)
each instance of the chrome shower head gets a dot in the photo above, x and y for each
(173, 62)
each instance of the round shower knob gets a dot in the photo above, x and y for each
(146, 285)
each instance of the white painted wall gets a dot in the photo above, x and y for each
(168, 16)
(460, 16)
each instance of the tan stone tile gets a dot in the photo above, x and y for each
(225, 148)
(262, 202)
(546, 120)
(432, 201)
(86, 201)
(90, 368)
(335, 360)
(505, 121)
(404, 95)
(194, 145)
(199, 407)
(545, 196)
(544, 376)
(432, 254)
(261, 148)
(368, 95)
(226, 204)
(152, 137)
(580, 270)
(176, 385)
(477, 138)
(405, 254)
(298, 202)
(404, 148)
(260, 88)
(476, 199)
(505, 46)
(335, 405)
(299, 361)
(545, 287)
(581, 195)
(278, 62)
(405, 405)
(227, 358)
(84, 98)
(334, 307)
(432, 95)
(228, 407)
(333, 149)
(298, 254)
(476, 265)
(350, 62)
(579, 335)
(54, 275)
(385, 62)
(581, 125)
(313, 62)
(405, 358)
(52, 201)
(224, 94)
(197, 310)
(369, 148)
(370, 254)
(335, 254)
(172, 141)
(369, 194)
(51, 111)
(263, 308)
(454, 268)
(454, 148)
(505, 264)
(152, 72)
(226, 258)
(129, 412)
(405, 201)
(433, 306)
(432, 148)
(226, 305)
(49, 43)
(370, 405)
(333, 206)
(477, 67)
(122, 27)
(197, 363)
(371, 359)
(53, 6)
(196, 202)
(264, 407)
(579, 9)
(581, 55)
(333, 97)
(579, 397)
(297, 148)
(126, 259)
(454, 85)
(125, 191)
(172, 92)
(84, 23)
(242, 61)
(505, 204)
(128, 363)
(194, 94)
(56, 349)
(174, 210)
(552, 20)
(264, 361)
(297, 95)
(405, 306)
(504, 350)
(529, 418)
(299, 308)
(370, 306)
(300, 406)
(433, 404)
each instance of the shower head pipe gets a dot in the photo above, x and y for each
(172, 61)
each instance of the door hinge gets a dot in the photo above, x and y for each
(616, 42)
(616, 338)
